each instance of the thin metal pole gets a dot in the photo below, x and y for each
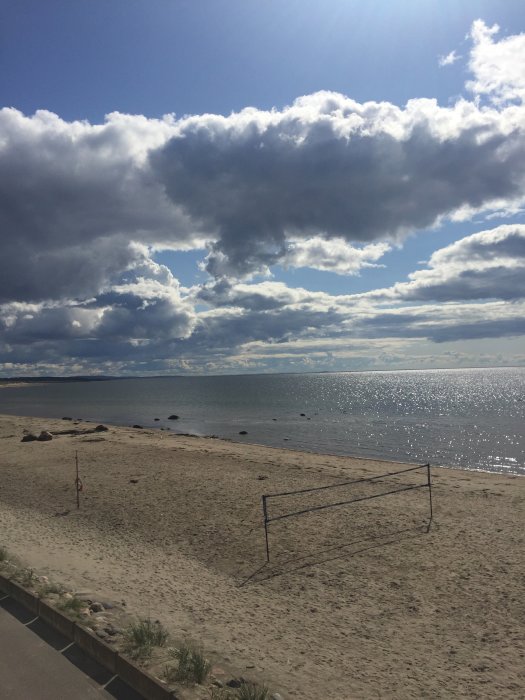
(77, 481)
(265, 512)
(429, 495)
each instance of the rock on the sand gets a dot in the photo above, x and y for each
(100, 429)
(29, 438)
(44, 436)
(96, 607)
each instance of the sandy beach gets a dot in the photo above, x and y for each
(357, 601)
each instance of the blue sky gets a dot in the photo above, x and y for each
(339, 185)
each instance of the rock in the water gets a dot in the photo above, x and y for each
(44, 436)
(173, 417)
(29, 438)
(156, 419)
(66, 418)
(302, 414)
(101, 429)
(139, 427)
(243, 432)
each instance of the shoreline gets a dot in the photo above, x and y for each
(353, 599)
(352, 456)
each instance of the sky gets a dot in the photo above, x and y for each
(245, 186)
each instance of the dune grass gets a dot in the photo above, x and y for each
(142, 636)
(192, 666)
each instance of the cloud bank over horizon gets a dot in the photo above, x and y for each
(325, 183)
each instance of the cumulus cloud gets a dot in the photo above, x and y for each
(329, 166)
(498, 67)
(326, 183)
(334, 255)
(72, 198)
(325, 175)
(484, 265)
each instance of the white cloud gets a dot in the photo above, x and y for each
(449, 59)
(498, 66)
(335, 255)
(328, 166)
(326, 183)
(485, 265)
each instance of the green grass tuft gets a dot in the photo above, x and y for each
(51, 588)
(71, 605)
(252, 691)
(140, 638)
(192, 666)
(220, 694)
(26, 577)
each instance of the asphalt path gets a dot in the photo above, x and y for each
(31, 669)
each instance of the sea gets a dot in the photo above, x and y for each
(462, 418)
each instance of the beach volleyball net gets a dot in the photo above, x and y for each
(292, 504)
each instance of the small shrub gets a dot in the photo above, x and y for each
(72, 605)
(3, 554)
(252, 691)
(50, 589)
(220, 694)
(192, 667)
(142, 636)
(26, 577)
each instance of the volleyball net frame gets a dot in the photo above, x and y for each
(267, 496)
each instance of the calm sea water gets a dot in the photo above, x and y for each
(472, 419)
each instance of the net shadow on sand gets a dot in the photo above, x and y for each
(271, 570)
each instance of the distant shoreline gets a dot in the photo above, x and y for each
(105, 378)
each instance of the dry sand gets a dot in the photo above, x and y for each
(357, 602)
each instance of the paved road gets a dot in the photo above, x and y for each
(30, 669)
